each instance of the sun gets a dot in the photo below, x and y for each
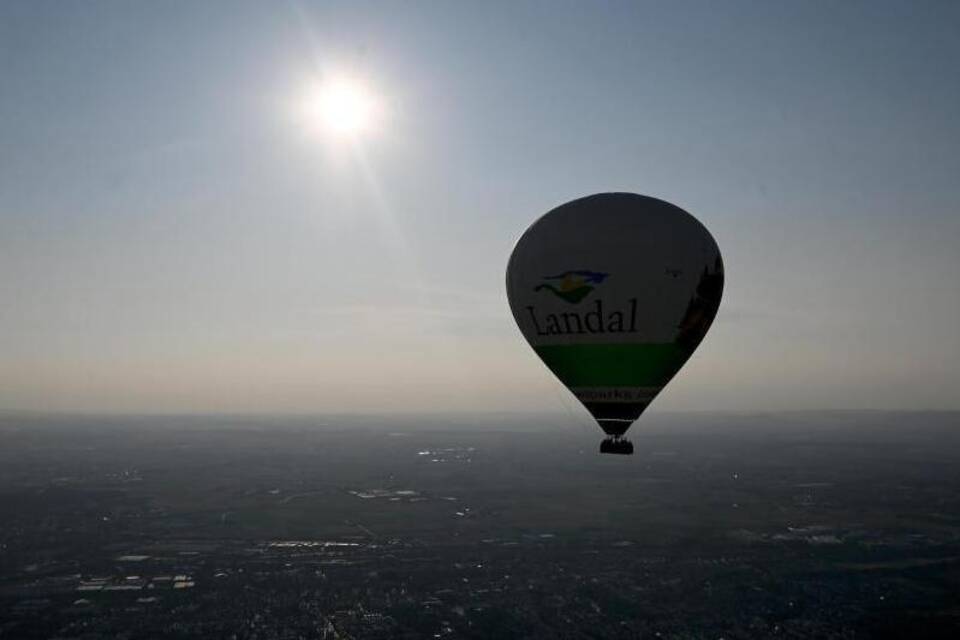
(341, 107)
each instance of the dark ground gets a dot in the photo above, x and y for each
(843, 524)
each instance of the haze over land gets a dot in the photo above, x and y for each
(826, 525)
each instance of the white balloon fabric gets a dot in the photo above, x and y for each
(614, 292)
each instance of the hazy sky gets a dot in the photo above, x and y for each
(175, 237)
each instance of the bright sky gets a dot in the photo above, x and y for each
(186, 225)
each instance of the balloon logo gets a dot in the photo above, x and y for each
(614, 292)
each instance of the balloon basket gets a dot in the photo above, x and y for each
(617, 445)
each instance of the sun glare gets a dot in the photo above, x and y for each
(341, 107)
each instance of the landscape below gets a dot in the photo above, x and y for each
(827, 525)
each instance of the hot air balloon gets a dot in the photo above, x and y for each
(614, 292)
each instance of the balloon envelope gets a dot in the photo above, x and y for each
(614, 292)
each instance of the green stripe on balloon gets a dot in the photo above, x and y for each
(614, 365)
